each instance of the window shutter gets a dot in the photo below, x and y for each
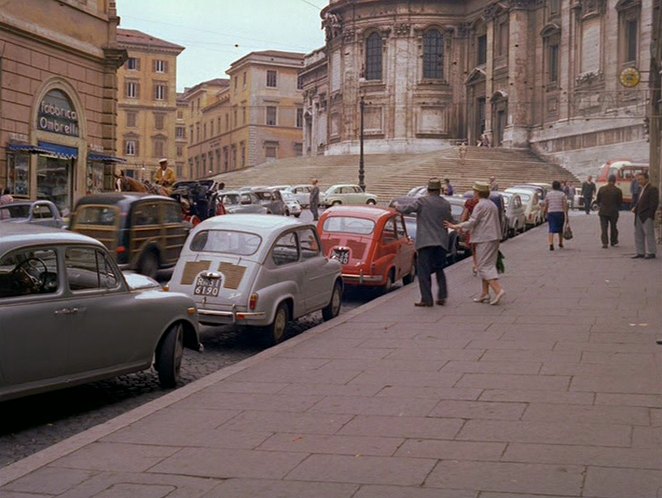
(137, 90)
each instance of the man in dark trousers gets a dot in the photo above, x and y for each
(588, 191)
(314, 199)
(431, 241)
(609, 199)
(644, 214)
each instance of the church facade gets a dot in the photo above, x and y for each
(567, 78)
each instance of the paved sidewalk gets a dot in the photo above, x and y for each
(556, 392)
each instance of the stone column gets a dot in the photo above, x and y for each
(516, 132)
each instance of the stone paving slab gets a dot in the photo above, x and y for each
(555, 392)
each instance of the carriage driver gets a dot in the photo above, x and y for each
(164, 176)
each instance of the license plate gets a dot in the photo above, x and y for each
(207, 286)
(342, 255)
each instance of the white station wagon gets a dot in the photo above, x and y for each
(259, 271)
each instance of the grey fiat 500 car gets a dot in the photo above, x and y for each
(257, 270)
(68, 316)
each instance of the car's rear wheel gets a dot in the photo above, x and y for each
(390, 281)
(275, 333)
(149, 264)
(287, 212)
(168, 356)
(336, 203)
(297, 215)
(332, 309)
(371, 202)
(409, 278)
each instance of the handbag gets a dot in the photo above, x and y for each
(499, 264)
(567, 232)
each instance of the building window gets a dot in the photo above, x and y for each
(243, 114)
(227, 122)
(272, 79)
(211, 162)
(299, 83)
(133, 64)
(433, 55)
(226, 158)
(481, 53)
(190, 134)
(180, 151)
(180, 132)
(554, 8)
(271, 115)
(159, 119)
(553, 63)
(243, 79)
(235, 121)
(197, 132)
(158, 148)
(631, 38)
(204, 131)
(298, 149)
(180, 114)
(131, 119)
(160, 66)
(299, 117)
(242, 145)
(234, 156)
(160, 91)
(271, 150)
(131, 147)
(502, 37)
(132, 90)
(218, 124)
(373, 57)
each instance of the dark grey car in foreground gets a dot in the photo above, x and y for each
(68, 316)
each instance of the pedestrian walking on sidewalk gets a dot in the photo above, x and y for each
(644, 214)
(555, 207)
(485, 227)
(469, 206)
(432, 212)
(588, 191)
(610, 199)
(314, 199)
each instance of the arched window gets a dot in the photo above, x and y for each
(433, 55)
(373, 57)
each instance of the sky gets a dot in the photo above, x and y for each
(219, 32)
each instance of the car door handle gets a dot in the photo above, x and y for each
(66, 311)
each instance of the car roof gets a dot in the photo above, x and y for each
(527, 191)
(122, 198)
(258, 223)
(16, 235)
(373, 213)
(344, 185)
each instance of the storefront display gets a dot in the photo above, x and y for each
(18, 178)
(54, 182)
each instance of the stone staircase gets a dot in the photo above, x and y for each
(392, 175)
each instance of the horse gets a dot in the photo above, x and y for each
(127, 184)
(155, 188)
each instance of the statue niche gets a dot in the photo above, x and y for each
(332, 24)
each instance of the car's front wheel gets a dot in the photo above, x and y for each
(332, 309)
(336, 203)
(149, 264)
(409, 278)
(275, 333)
(371, 202)
(168, 356)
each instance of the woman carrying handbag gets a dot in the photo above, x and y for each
(556, 208)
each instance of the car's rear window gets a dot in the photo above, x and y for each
(226, 242)
(348, 224)
(96, 215)
(20, 211)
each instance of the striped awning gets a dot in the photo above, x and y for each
(104, 158)
(59, 151)
(30, 149)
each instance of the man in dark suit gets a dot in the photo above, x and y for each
(644, 214)
(609, 199)
(588, 191)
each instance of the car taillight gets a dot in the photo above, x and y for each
(120, 249)
(252, 302)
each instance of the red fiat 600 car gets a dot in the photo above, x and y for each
(371, 243)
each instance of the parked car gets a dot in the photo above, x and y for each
(302, 194)
(515, 214)
(541, 188)
(272, 200)
(260, 271)
(371, 243)
(531, 202)
(235, 202)
(347, 194)
(43, 213)
(293, 206)
(69, 316)
(145, 232)
(417, 191)
(281, 187)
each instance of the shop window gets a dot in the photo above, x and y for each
(271, 115)
(373, 57)
(272, 79)
(18, 174)
(433, 54)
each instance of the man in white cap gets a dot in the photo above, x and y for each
(165, 176)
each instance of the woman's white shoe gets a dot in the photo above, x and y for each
(482, 299)
(498, 297)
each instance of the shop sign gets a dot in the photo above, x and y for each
(57, 114)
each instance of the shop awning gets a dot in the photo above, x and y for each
(30, 149)
(60, 151)
(104, 158)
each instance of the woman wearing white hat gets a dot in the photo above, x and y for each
(485, 228)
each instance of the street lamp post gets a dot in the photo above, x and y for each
(361, 163)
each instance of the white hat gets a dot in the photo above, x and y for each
(163, 160)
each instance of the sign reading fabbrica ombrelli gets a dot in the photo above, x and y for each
(57, 114)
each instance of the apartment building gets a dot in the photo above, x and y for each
(147, 107)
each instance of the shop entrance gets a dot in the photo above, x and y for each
(55, 182)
